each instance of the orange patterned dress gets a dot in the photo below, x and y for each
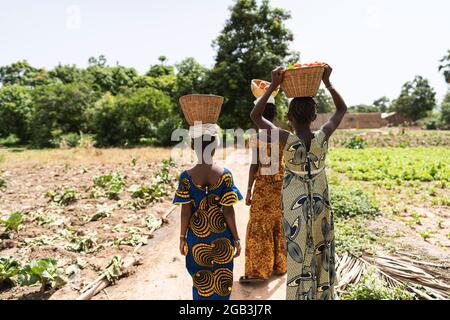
(265, 251)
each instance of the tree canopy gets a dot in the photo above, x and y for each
(416, 99)
(253, 41)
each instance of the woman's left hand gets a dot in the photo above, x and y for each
(237, 247)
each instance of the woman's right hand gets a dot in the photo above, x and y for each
(277, 77)
(183, 247)
(327, 74)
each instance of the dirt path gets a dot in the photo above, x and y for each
(163, 275)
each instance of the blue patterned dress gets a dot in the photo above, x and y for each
(210, 242)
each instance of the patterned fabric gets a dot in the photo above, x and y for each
(210, 242)
(265, 250)
(308, 221)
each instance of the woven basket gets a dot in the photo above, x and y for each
(303, 82)
(201, 108)
(258, 92)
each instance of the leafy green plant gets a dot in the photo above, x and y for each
(353, 236)
(158, 188)
(393, 164)
(356, 143)
(152, 222)
(9, 268)
(44, 271)
(63, 198)
(134, 238)
(69, 140)
(112, 184)
(372, 287)
(113, 271)
(3, 182)
(43, 218)
(139, 191)
(10, 141)
(87, 244)
(352, 201)
(103, 211)
(13, 222)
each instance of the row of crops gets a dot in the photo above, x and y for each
(86, 227)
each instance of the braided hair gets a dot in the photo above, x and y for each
(303, 110)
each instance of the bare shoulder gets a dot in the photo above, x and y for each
(284, 136)
(218, 169)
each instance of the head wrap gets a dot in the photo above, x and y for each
(271, 100)
(200, 129)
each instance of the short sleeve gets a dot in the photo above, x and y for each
(321, 136)
(231, 194)
(183, 195)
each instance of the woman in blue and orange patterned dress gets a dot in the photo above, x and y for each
(209, 238)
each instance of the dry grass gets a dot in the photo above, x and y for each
(80, 156)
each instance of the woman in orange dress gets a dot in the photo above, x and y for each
(265, 252)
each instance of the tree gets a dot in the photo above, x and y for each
(110, 79)
(69, 74)
(128, 117)
(15, 111)
(324, 102)
(382, 104)
(253, 42)
(445, 66)
(160, 76)
(59, 109)
(22, 73)
(191, 77)
(416, 99)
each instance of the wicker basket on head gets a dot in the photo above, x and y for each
(201, 108)
(258, 92)
(302, 82)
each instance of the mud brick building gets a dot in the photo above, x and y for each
(353, 121)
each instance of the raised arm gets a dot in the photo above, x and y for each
(341, 108)
(257, 113)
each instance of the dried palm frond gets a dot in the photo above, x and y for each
(395, 271)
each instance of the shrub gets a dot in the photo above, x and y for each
(356, 143)
(10, 141)
(70, 140)
(161, 132)
(372, 287)
(352, 201)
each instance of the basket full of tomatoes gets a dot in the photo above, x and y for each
(303, 80)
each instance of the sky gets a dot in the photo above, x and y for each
(374, 46)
